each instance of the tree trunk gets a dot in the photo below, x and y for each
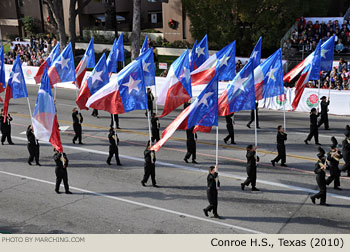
(56, 7)
(136, 29)
(72, 18)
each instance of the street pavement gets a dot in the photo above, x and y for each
(110, 199)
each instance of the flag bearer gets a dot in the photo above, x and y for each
(212, 192)
(251, 168)
(61, 171)
(77, 121)
(113, 147)
(33, 146)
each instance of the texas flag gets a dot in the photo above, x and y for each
(116, 54)
(55, 52)
(87, 61)
(149, 71)
(256, 54)
(177, 89)
(44, 118)
(62, 69)
(268, 77)
(201, 52)
(201, 114)
(16, 85)
(192, 56)
(144, 45)
(327, 55)
(310, 72)
(239, 93)
(2, 71)
(98, 78)
(123, 94)
(223, 62)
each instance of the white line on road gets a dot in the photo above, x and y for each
(222, 174)
(139, 204)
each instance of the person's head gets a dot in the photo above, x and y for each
(333, 147)
(30, 126)
(313, 110)
(149, 90)
(55, 150)
(149, 145)
(249, 147)
(75, 109)
(280, 128)
(212, 169)
(323, 98)
(111, 130)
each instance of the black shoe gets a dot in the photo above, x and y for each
(81, 143)
(119, 164)
(29, 163)
(11, 143)
(318, 144)
(242, 186)
(337, 188)
(225, 140)
(155, 186)
(58, 192)
(313, 200)
(143, 183)
(2, 143)
(248, 126)
(254, 189)
(233, 142)
(284, 165)
(217, 216)
(205, 212)
(273, 163)
(69, 192)
(324, 204)
(306, 142)
(109, 163)
(258, 127)
(38, 164)
(118, 127)
(185, 159)
(194, 162)
(73, 141)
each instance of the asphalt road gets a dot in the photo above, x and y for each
(110, 199)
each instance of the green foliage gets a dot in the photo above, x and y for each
(246, 20)
(30, 25)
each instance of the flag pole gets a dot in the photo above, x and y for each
(256, 131)
(217, 145)
(284, 112)
(114, 126)
(54, 96)
(156, 96)
(30, 110)
(318, 95)
(149, 126)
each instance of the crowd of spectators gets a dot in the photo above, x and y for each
(31, 53)
(308, 34)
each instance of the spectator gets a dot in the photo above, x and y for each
(339, 47)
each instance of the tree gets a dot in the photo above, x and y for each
(136, 29)
(56, 8)
(73, 12)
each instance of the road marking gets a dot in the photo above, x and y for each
(23, 133)
(64, 128)
(139, 204)
(188, 168)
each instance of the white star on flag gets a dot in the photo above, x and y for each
(187, 74)
(270, 74)
(96, 77)
(224, 60)
(63, 62)
(145, 66)
(132, 84)
(239, 83)
(323, 53)
(200, 51)
(204, 99)
(15, 78)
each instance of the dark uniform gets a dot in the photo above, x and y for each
(191, 145)
(61, 171)
(116, 119)
(251, 171)
(321, 182)
(6, 129)
(155, 128)
(113, 148)
(346, 155)
(150, 167)
(77, 121)
(334, 169)
(95, 113)
(33, 147)
(229, 126)
(252, 116)
(324, 115)
(313, 128)
(281, 148)
(150, 99)
(212, 194)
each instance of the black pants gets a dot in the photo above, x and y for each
(213, 201)
(313, 133)
(281, 154)
(33, 153)
(78, 132)
(252, 116)
(191, 150)
(251, 178)
(346, 167)
(95, 112)
(335, 175)
(61, 174)
(6, 134)
(113, 150)
(324, 120)
(116, 119)
(231, 133)
(155, 135)
(150, 170)
(322, 194)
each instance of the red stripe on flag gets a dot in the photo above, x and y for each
(294, 72)
(40, 72)
(55, 138)
(259, 91)
(8, 96)
(54, 76)
(83, 96)
(299, 89)
(203, 77)
(111, 103)
(223, 104)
